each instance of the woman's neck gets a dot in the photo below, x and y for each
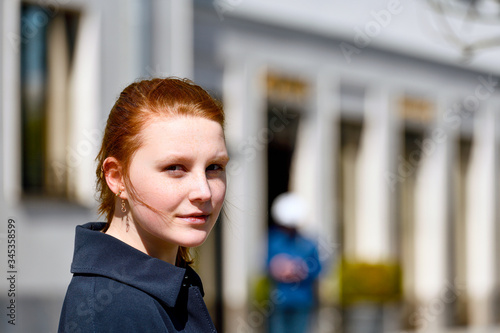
(133, 235)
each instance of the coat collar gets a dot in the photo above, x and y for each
(100, 254)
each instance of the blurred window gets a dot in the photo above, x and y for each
(416, 111)
(352, 108)
(47, 45)
(408, 164)
(286, 99)
(350, 141)
(459, 191)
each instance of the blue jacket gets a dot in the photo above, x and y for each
(117, 288)
(296, 294)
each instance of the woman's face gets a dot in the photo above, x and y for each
(179, 171)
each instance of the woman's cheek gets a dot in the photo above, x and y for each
(221, 193)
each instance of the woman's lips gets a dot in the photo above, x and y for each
(195, 219)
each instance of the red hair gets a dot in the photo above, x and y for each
(139, 103)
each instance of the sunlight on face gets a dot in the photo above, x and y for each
(179, 171)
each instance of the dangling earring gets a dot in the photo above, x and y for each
(124, 209)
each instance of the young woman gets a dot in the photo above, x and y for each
(161, 184)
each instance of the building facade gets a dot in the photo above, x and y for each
(393, 145)
(395, 150)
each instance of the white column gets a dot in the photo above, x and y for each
(313, 171)
(57, 107)
(431, 228)
(10, 101)
(84, 94)
(373, 187)
(172, 43)
(481, 202)
(327, 141)
(244, 235)
(327, 147)
(303, 173)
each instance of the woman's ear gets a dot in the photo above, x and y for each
(113, 172)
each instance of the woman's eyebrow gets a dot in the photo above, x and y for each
(172, 158)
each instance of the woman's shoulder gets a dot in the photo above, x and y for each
(96, 303)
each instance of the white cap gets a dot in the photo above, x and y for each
(289, 209)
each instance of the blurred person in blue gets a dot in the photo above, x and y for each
(161, 183)
(293, 265)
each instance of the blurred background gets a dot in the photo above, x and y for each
(382, 114)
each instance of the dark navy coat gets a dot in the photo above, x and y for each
(117, 288)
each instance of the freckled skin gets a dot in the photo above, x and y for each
(179, 171)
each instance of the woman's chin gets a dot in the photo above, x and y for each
(194, 239)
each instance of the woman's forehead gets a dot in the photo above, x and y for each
(178, 134)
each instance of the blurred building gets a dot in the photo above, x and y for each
(367, 109)
(63, 64)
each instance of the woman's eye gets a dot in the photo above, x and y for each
(176, 169)
(215, 167)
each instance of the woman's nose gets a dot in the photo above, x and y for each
(200, 189)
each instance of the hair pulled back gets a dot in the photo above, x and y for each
(139, 103)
